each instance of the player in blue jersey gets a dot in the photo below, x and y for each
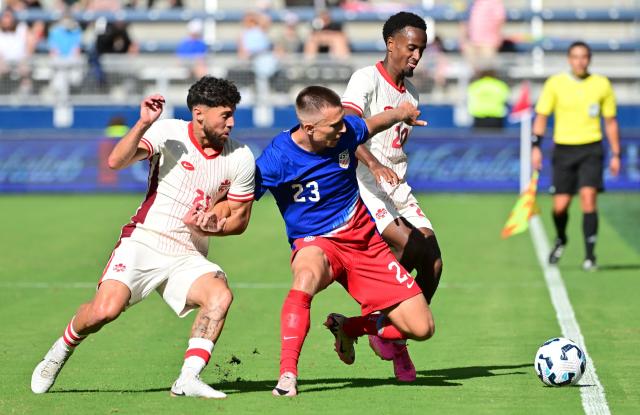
(311, 171)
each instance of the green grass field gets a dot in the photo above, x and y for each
(492, 312)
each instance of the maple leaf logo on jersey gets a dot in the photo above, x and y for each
(119, 267)
(381, 213)
(224, 186)
(344, 159)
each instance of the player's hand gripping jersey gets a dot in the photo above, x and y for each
(181, 175)
(317, 193)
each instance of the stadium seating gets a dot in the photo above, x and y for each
(610, 30)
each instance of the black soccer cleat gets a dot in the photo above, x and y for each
(557, 251)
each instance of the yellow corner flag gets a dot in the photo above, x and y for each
(524, 208)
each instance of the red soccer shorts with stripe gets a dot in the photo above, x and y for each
(362, 262)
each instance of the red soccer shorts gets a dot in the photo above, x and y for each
(362, 262)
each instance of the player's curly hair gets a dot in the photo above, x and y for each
(213, 92)
(315, 97)
(399, 21)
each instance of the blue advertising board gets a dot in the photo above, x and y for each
(436, 163)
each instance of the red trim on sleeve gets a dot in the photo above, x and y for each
(240, 198)
(352, 106)
(149, 146)
(387, 78)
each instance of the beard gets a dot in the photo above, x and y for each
(408, 72)
(215, 140)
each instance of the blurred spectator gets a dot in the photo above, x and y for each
(436, 64)
(255, 45)
(192, 50)
(15, 50)
(111, 38)
(487, 99)
(100, 5)
(65, 50)
(482, 33)
(288, 41)
(327, 37)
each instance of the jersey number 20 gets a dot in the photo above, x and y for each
(313, 188)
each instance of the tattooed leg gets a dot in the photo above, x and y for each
(212, 294)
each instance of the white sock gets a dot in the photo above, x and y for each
(197, 356)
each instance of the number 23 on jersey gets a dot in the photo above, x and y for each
(299, 194)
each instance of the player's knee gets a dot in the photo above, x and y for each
(306, 280)
(437, 268)
(220, 299)
(423, 330)
(105, 312)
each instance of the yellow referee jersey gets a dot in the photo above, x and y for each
(577, 105)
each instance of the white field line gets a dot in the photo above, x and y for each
(592, 392)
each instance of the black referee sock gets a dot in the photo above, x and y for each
(560, 220)
(590, 230)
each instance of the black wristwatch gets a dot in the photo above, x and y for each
(536, 140)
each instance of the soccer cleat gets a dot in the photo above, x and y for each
(589, 265)
(403, 367)
(344, 344)
(193, 386)
(557, 251)
(287, 385)
(46, 372)
(382, 348)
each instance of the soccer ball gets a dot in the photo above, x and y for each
(559, 362)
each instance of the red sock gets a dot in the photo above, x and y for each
(372, 324)
(295, 320)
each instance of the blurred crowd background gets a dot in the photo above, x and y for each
(108, 52)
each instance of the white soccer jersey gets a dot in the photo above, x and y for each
(181, 175)
(371, 91)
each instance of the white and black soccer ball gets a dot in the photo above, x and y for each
(560, 362)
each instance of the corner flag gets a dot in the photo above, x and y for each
(524, 208)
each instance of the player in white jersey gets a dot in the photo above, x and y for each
(383, 168)
(193, 165)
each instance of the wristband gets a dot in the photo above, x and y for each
(536, 140)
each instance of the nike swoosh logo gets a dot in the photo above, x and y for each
(413, 281)
(289, 337)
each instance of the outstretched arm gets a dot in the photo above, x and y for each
(376, 168)
(129, 150)
(404, 112)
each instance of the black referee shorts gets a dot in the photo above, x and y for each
(577, 166)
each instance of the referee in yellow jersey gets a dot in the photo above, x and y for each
(577, 100)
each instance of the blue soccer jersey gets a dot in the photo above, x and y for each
(316, 192)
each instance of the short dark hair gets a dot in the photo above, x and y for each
(213, 92)
(399, 21)
(315, 98)
(578, 44)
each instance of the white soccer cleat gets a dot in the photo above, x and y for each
(45, 374)
(193, 386)
(287, 385)
(343, 344)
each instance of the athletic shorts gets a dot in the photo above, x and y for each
(577, 166)
(361, 261)
(385, 209)
(143, 270)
